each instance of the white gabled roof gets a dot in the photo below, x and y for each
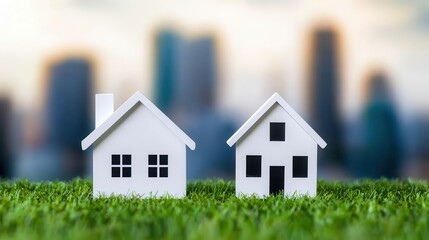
(275, 98)
(123, 109)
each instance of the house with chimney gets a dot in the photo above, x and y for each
(137, 150)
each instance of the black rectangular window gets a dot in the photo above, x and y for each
(163, 159)
(126, 159)
(153, 159)
(153, 172)
(118, 165)
(126, 172)
(163, 172)
(300, 167)
(158, 166)
(253, 166)
(277, 131)
(116, 172)
(116, 159)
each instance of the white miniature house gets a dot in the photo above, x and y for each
(276, 150)
(137, 150)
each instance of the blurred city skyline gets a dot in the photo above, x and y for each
(258, 43)
(211, 64)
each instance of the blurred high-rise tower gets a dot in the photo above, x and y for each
(382, 146)
(68, 118)
(185, 88)
(197, 75)
(167, 46)
(324, 82)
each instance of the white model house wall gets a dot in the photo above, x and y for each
(276, 153)
(139, 133)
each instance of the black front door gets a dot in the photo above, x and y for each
(277, 179)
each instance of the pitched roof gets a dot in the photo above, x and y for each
(275, 98)
(138, 97)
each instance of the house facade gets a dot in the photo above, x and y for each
(137, 150)
(276, 150)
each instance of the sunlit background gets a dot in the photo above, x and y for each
(358, 71)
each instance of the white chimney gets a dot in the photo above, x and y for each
(103, 108)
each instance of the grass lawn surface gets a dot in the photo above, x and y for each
(359, 210)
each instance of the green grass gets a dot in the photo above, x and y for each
(359, 210)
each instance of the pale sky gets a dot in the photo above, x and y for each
(262, 45)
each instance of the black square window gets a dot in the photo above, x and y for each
(155, 166)
(300, 166)
(126, 159)
(116, 172)
(126, 172)
(153, 172)
(163, 159)
(277, 131)
(153, 159)
(163, 172)
(253, 166)
(116, 159)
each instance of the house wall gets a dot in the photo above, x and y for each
(140, 133)
(257, 142)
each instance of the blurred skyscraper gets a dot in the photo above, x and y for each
(168, 44)
(382, 148)
(53, 151)
(189, 94)
(5, 140)
(197, 66)
(68, 118)
(324, 94)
